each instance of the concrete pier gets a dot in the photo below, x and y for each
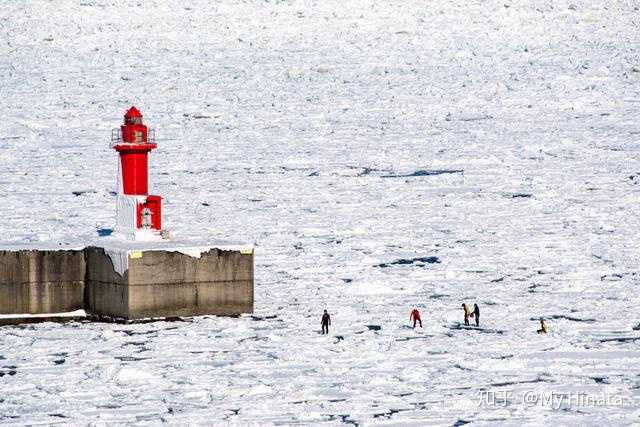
(41, 281)
(128, 280)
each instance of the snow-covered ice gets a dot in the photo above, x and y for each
(380, 155)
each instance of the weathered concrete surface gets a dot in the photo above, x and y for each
(106, 291)
(156, 283)
(165, 283)
(41, 281)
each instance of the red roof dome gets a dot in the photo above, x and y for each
(133, 113)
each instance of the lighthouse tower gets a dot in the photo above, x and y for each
(139, 214)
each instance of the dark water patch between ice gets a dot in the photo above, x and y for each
(59, 361)
(621, 339)
(131, 333)
(78, 193)
(410, 393)
(344, 418)
(419, 261)
(424, 172)
(462, 368)
(388, 414)
(460, 422)
(374, 327)
(130, 358)
(504, 357)
(601, 380)
(58, 415)
(614, 277)
(266, 317)
(462, 241)
(8, 370)
(518, 195)
(461, 327)
(438, 296)
(534, 288)
(497, 280)
(102, 232)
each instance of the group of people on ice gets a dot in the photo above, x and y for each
(468, 313)
(414, 317)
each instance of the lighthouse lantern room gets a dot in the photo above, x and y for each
(139, 214)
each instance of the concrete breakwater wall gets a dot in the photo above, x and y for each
(129, 284)
(41, 281)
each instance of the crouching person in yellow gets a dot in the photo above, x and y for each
(543, 327)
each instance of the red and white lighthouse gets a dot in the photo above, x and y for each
(139, 214)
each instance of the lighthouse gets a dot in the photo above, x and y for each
(139, 214)
(135, 273)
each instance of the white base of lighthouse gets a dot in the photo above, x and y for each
(129, 224)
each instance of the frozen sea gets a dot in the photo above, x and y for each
(381, 156)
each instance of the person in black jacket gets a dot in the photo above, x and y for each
(476, 314)
(326, 321)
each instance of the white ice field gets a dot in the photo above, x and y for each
(347, 140)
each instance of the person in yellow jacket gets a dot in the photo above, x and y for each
(467, 313)
(543, 327)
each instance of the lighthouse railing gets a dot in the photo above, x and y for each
(116, 137)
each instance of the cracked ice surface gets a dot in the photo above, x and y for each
(352, 142)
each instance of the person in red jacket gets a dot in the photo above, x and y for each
(415, 316)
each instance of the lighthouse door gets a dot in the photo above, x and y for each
(149, 213)
(146, 218)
